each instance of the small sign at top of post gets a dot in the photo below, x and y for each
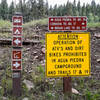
(17, 20)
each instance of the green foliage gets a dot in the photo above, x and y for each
(42, 73)
(41, 69)
(34, 22)
(96, 96)
(94, 24)
(89, 95)
(9, 85)
(96, 18)
(49, 95)
(24, 89)
(91, 18)
(1, 91)
(5, 24)
(3, 82)
(42, 41)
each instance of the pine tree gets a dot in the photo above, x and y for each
(55, 10)
(4, 9)
(40, 6)
(33, 9)
(88, 10)
(74, 8)
(11, 10)
(79, 8)
(50, 11)
(83, 10)
(20, 6)
(26, 11)
(64, 10)
(60, 11)
(69, 10)
(98, 10)
(93, 7)
(46, 8)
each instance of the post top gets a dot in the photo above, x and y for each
(18, 13)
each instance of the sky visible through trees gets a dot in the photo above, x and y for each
(37, 9)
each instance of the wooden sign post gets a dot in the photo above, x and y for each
(67, 85)
(17, 53)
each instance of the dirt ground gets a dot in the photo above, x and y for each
(34, 55)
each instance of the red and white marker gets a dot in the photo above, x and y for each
(17, 42)
(16, 65)
(17, 20)
(17, 54)
(17, 31)
(70, 23)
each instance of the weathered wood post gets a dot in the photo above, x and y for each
(67, 85)
(17, 21)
